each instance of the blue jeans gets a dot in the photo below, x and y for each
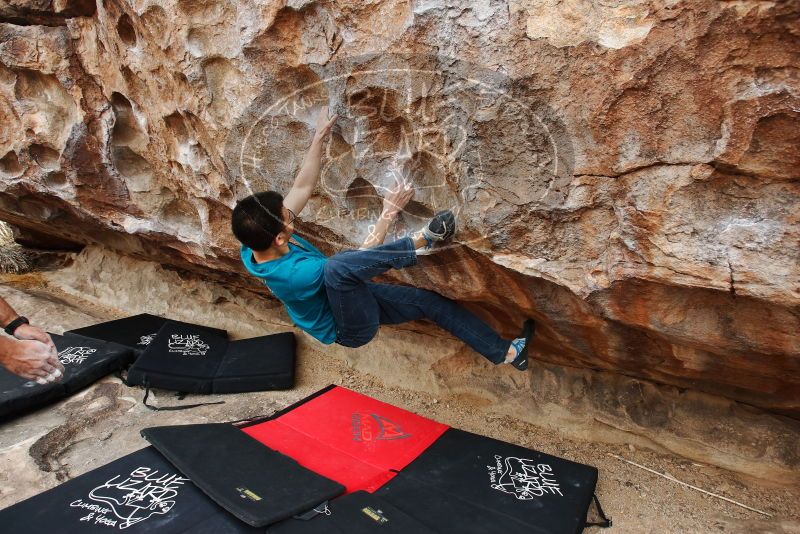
(360, 307)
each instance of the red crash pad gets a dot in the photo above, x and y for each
(349, 437)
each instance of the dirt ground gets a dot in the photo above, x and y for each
(103, 423)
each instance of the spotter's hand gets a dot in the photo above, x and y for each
(33, 360)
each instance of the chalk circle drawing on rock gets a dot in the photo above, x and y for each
(126, 500)
(523, 478)
(452, 128)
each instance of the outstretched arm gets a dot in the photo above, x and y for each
(307, 178)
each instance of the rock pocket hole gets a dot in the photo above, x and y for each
(181, 217)
(43, 93)
(44, 156)
(156, 20)
(386, 125)
(9, 164)
(198, 41)
(362, 200)
(56, 180)
(136, 170)
(125, 30)
(127, 130)
(418, 210)
(221, 78)
(206, 10)
(432, 189)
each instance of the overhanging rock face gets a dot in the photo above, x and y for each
(626, 175)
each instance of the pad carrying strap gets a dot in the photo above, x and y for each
(606, 521)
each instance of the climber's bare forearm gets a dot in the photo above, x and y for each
(307, 177)
(378, 233)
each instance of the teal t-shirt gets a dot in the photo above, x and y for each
(297, 279)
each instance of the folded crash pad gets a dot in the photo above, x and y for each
(139, 493)
(136, 331)
(191, 359)
(257, 364)
(258, 485)
(85, 361)
(348, 437)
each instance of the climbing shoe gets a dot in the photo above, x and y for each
(441, 227)
(521, 360)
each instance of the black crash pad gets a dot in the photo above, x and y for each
(474, 484)
(356, 513)
(136, 331)
(258, 485)
(257, 364)
(139, 493)
(85, 361)
(192, 359)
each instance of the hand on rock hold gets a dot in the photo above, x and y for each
(324, 124)
(396, 200)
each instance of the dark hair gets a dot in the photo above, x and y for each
(257, 219)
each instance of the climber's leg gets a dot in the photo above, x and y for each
(398, 304)
(354, 308)
(349, 268)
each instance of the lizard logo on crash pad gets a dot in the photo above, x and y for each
(124, 501)
(523, 478)
(76, 355)
(188, 345)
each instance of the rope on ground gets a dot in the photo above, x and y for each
(673, 479)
